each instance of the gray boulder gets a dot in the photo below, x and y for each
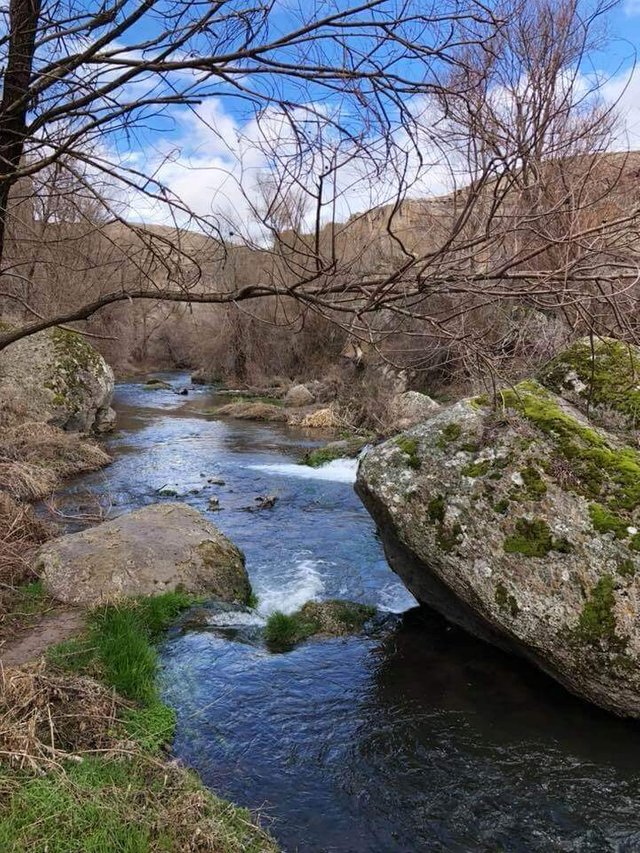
(521, 523)
(152, 550)
(411, 408)
(57, 377)
(297, 396)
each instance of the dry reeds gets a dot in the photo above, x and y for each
(46, 718)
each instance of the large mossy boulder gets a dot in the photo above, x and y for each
(153, 550)
(520, 521)
(59, 378)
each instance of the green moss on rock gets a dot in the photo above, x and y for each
(436, 509)
(597, 623)
(607, 474)
(627, 568)
(448, 434)
(603, 375)
(535, 487)
(533, 538)
(409, 446)
(476, 469)
(505, 601)
(605, 521)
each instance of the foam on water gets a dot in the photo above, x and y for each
(289, 597)
(337, 471)
(235, 619)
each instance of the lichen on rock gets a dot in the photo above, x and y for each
(519, 519)
(59, 378)
(156, 549)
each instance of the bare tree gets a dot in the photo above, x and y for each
(378, 93)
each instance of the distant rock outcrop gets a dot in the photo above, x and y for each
(298, 396)
(152, 550)
(410, 408)
(519, 519)
(59, 378)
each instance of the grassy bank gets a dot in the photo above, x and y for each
(82, 738)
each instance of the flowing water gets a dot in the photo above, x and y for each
(414, 737)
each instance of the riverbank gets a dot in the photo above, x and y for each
(83, 733)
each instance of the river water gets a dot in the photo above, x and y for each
(414, 737)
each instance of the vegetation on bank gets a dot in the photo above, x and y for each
(81, 739)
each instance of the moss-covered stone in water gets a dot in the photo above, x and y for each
(332, 618)
(605, 376)
(409, 446)
(348, 449)
(476, 469)
(533, 538)
(436, 509)
(505, 600)
(606, 522)
(597, 622)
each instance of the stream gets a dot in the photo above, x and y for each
(413, 737)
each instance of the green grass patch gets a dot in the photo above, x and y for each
(284, 630)
(121, 805)
(135, 802)
(119, 644)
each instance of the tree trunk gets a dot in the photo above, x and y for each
(24, 16)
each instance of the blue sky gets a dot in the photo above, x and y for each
(208, 154)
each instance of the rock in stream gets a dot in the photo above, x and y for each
(520, 521)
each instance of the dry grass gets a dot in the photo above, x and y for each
(20, 532)
(250, 411)
(46, 718)
(35, 457)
